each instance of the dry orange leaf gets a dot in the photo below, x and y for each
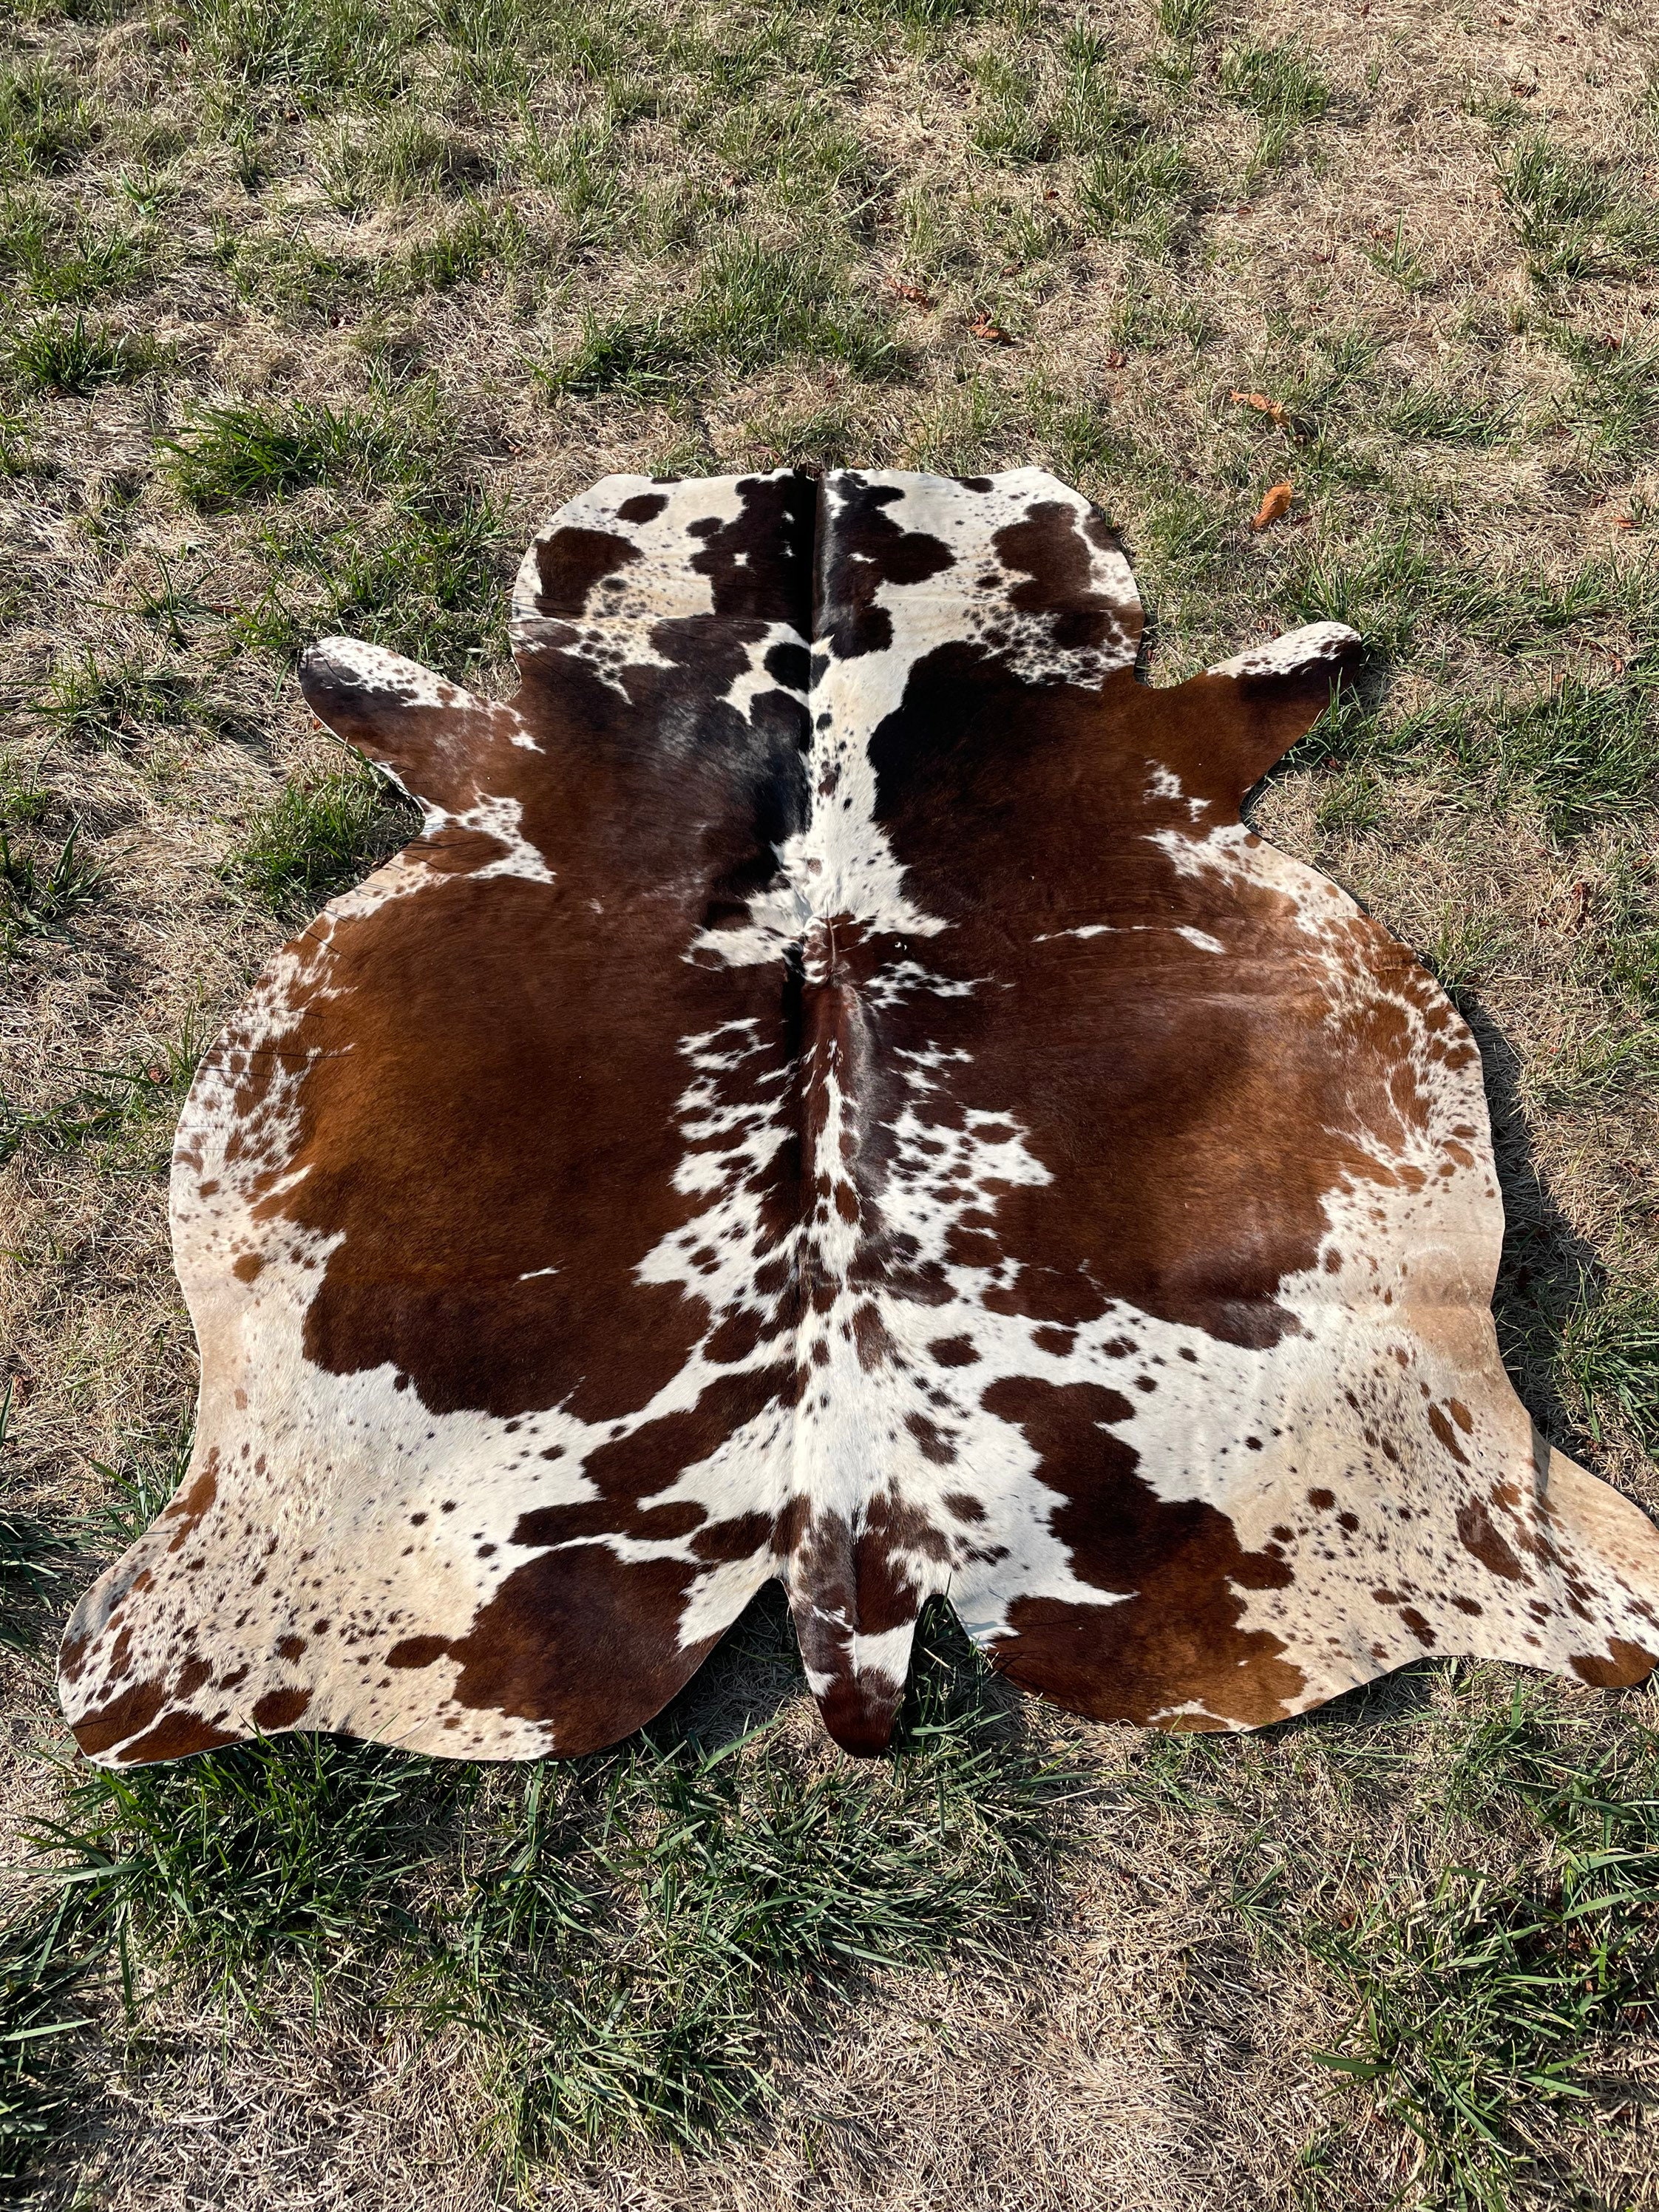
(1262, 404)
(985, 328)
(913, 293)
(1276, 504)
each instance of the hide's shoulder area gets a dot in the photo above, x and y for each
(837, 1093)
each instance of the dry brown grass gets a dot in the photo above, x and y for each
(1143, 2041)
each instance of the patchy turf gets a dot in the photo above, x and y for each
(313, 310)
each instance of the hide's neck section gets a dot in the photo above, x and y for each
(864, 566)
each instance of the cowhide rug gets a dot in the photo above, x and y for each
(837, 1093)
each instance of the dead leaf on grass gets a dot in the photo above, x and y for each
(1262, 404)
(992, 333)
(1274, 506)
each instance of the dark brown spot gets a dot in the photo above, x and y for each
(1620, 1668)
(127, 1715)
(1477, 1533)
(935, 1444)
(953, 1351)
(280, 1709)
(178, 1735)
(1442, 1429)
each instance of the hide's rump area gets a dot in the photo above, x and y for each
(837, 1093)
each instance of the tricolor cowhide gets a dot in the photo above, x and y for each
(837, 1093)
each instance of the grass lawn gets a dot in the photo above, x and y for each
(312, 311)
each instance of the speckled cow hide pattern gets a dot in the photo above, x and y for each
(837, 1093)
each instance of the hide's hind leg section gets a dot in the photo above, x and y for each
(366, 1607)
(1241, 1534)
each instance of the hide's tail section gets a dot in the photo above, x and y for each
(856, 1597)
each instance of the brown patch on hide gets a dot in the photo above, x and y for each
(581, 1641)
(1447, 1435)
(189, 1507)
(179, 1736)
(1620, 1668)
(280, 1709)
(845, 1580)
(1173, 1122)
(867, 551)
(1174, 1638)
(572, 563)
(629, 1472)
(128, 1714)
(860, 1712)
(1477, 1533)
(1049, 545)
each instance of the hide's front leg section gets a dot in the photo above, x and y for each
(432, 738)
(1264, 699)
(1207, 741)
